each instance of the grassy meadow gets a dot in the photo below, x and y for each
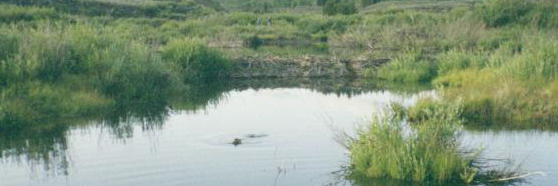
(495, 63)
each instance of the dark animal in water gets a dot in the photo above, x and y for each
(237, 142)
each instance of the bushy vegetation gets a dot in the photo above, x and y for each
(424, 150)
(333, 7)
(195, 60)
(429, 153)
(514, 89)
(411, 67)
(180, 9)
(12, 13)
(54, 71)
(496, 56)
(497, 13)
(496, 60)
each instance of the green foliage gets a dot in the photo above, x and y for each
(512, 90)
(133, 73)
(12, 13)
(502, 12)
(365, 3)
(344, 7)
(459, 60)
(196, 61)
(497, 13)
(409, 67)
(32, 104)
(429, 153)
(324, 24)
(104, 63)
(9, 44)
(538, 61)
(119, 9)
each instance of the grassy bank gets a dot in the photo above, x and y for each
(54, 70)
(498, 57)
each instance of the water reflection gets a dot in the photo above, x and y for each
(195, 149)
(47, 146)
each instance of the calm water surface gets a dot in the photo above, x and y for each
(287, 132)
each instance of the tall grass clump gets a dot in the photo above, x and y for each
(429, 152)
(195, 60)
(135, 74)
(423, 151)
(457, 60)
(411, 66)
(538, 61)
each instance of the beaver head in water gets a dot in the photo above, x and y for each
(236, 141)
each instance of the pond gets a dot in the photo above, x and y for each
(285, 128)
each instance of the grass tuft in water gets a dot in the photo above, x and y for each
(425, 150)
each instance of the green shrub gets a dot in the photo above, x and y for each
(196, 61)
(253, 41)
(134, 74)
(409, 67)
(543, 15)
(429, 153)
(454, 60)
(539, 61)
(502, 12)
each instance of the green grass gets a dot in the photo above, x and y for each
(419, 151)
(496, 13)
(497, 56)
(411, 67)
(508, 89)
(196, 61)
(121, 9)
(12, 13)
(45, 69)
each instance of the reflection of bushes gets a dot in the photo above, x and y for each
(32, 104)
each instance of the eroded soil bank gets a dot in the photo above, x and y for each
(305, 66)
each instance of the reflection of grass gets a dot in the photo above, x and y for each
(45, 147)
(423, 151)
